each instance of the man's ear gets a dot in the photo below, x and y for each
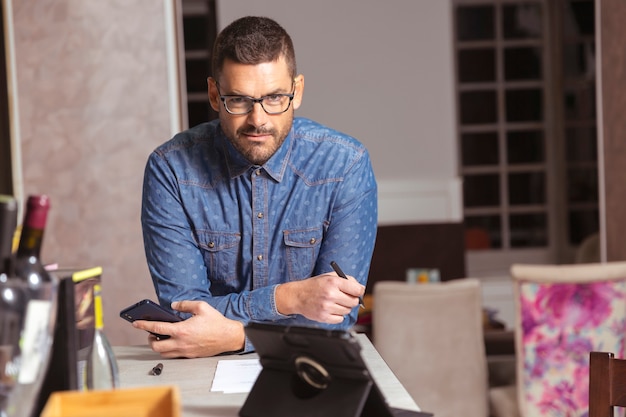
(298, 91)
(214, 95)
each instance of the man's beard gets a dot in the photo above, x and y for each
(258, 153)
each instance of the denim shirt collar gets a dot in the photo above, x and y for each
(275, 167)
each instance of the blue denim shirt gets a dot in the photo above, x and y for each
(219, 229)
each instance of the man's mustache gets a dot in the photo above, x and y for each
(255, 131)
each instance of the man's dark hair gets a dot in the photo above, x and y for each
(253, 40)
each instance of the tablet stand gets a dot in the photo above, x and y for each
(283, 392)
(312, 372)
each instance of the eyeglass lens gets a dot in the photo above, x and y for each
(272, 104)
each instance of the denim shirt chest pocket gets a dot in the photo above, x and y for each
(302, 247)
(221, 253)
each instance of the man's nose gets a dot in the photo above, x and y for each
(257, 116)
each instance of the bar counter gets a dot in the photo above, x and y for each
(194, 378)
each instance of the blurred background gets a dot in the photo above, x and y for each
(483, 118)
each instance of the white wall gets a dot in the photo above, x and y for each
(361, 56)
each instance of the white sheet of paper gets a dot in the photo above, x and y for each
(235, 376)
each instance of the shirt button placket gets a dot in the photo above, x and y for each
(259, 245)
(260, 217)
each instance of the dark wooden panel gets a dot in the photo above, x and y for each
(613, 122)
(401, 247)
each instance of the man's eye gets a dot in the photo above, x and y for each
(237, 100)
(273, 98)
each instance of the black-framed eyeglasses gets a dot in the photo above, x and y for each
(271, 103)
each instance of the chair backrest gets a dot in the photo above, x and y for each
(563, 312)
(431, 337)
(607, 384)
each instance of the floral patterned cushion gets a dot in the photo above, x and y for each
(560, 324)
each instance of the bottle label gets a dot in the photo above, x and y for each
(35, 340)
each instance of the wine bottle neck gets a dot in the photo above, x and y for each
(28, 265)
(31, 240)
(34, 225)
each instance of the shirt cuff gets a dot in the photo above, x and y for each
(263, 307)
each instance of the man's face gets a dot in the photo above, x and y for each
(257, 135)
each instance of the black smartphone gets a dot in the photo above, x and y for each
(149, 310)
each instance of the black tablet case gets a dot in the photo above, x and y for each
(280, 391)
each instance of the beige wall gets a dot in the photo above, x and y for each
(93, 102)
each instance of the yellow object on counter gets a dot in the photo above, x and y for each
(159, 401)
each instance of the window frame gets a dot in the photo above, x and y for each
(492, 262)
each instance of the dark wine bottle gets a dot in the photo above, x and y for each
(36, 307)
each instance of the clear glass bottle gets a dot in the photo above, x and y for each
(101, 372)
(32, 293)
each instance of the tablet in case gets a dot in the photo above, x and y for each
(311, 372)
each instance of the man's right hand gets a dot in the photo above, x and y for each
(325, 298)
(206, 333)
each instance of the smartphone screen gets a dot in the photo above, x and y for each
(149, 310)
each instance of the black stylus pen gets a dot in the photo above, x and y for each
(342, 275)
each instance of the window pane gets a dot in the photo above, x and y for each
(522, 21)
(527, 188)
(581, 145)
(483, 232)
(522, 64)
(478, 107)
(579, 59)
(524, 105)
(582, 185)
(525, 147)
(582, 14)
(197, 71)
(195, 33)
(198, 112)
(479, 149)
(528, 230)
(477, 65)
(475, 23)
(481, 190)
(582, 223)
(580, 102)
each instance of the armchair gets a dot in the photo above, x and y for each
(431, 336)
(563, 312)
